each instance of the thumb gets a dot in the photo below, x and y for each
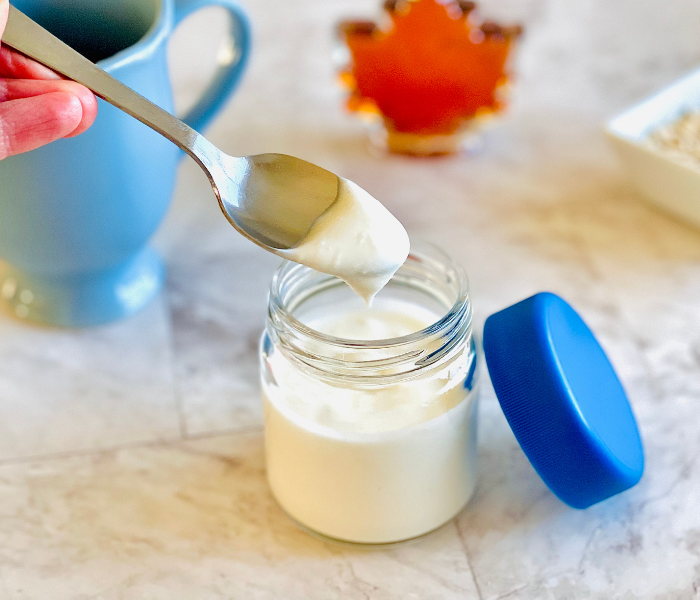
(4, 9)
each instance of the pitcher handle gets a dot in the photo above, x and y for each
(231, 66)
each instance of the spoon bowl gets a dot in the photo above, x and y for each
(273, 199)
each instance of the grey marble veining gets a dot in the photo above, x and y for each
(131, 462)
(191, 520)
(64, 391)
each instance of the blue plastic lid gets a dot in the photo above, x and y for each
(563, 400)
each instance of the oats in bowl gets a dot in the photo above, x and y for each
(679, 140)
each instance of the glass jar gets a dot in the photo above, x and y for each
(371, 441)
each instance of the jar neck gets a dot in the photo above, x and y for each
(428, 278)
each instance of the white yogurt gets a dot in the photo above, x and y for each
(370, 464)
(357, 239)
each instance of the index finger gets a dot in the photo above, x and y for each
(13, 64)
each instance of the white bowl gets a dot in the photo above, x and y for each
(667, 183)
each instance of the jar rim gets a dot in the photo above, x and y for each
(428, 270)
(419, 251)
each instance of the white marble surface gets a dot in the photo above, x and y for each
(131, 462)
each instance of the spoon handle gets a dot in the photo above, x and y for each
(32, 40)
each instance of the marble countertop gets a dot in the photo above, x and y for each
(131, 460)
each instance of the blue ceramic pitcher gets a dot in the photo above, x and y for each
(76, 215)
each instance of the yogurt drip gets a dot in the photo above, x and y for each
(357, 239)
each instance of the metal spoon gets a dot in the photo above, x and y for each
(272, 199)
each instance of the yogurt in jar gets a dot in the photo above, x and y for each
(370, 441)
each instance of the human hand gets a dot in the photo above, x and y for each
(36, 105)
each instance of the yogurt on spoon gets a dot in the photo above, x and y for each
(357, 240)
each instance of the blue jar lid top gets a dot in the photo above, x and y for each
(563, 400)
